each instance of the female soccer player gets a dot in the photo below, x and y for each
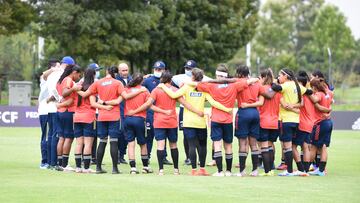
(135, 124)
(108, 124)
(247, 121)
(269, 125)
(292, 94)
(84, 123)
(321, 134)
(66, 109)
(194, 126)
(222, 122)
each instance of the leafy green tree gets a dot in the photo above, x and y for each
(15, 15)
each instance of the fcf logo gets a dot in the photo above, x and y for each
(8, 116)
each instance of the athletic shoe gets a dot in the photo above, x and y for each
(211, 163)
(254, 173)
(194, 172)
(122, 161)
(317, 173)
(237, 165)
(44, 166)
(68, 168)
(270, 173)
(285, 173)
(89, 170)
(115, 170)
(300, 173)
(147, 170)
(167, 162)
(228, 173)
(282, 166)
(100, 171)
(219, 174)
(161, 172)
(176, 171)
(187, 162)
(203, 172)
(313, 167)
(51, 167)
(134, 171)
(78, 170)
(58, 168)
(93, 161)
(241, 174)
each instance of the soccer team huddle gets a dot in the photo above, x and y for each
(294, 108)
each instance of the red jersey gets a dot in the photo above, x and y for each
(137, 101)
(224, 94)
(84, 113)
(269, 112)
(108, 89)
(325, 101)
(249, 95)
(163, 101)
(66, 83)
(307, 115)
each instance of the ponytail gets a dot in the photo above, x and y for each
(113, 70)
(67, 71)
(137, 79)
(89, 77)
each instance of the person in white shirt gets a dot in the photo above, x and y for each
(43, 109)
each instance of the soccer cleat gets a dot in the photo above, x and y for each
(313, 167)
(211, 163)
(161, 172)
(254, 173)
(122, 161)
(89, 170)
(167, 162)
(285, 173)
(228, 173)
(282, 166)
(51, 167)
(147, 170)
(115, 170)
(44, 166)
(134, 171)
(100, 171)
(194, 172)
(317, 173)
(176, 171)
(219, 174)
(58, 168)
(300, 173)
(68, 168)
(203, 172)
(187, 162)
(270, 173)
(78, 170)
(241, 174)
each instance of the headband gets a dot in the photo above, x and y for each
(223, 74)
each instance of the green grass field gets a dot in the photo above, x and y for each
(23, 181)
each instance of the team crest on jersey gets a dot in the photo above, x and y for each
(222, 86)
(195, 94)
(106, 83)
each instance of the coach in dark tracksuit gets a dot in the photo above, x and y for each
(124, 78)
(150, 83)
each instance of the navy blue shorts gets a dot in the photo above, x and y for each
(84, 129)
(268, 135)
(135, 128)
(221, 131)
(301, 137)
(195, 133)
(181, 118)
(108, 128)
(163, 133)
(288, 131)
(66, 126)
(321, 134)
(247, 123)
